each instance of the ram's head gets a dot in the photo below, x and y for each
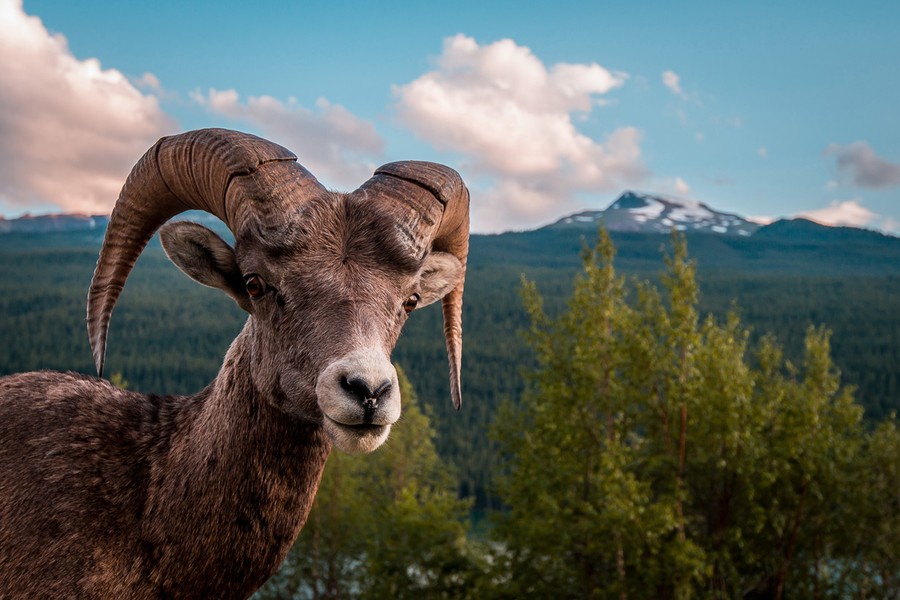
(327, 278)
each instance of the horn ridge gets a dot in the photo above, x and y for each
(197, 169)
(440, 180)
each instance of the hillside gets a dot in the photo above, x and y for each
(169, 334)
(53, 223)
(782, 279)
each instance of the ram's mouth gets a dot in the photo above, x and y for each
(358, 428)
(356, 438)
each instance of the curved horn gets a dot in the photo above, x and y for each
(215, 170)
(430, 203)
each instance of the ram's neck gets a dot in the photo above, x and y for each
(235, 487)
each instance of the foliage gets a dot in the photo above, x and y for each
(119, 381)
(168, 334)
(654, 456)
(655, 453)
(870, 536)
(386, 525)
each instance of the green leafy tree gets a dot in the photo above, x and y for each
(654, 455)
(582, 522)
(869, 534)
(385, 525)
(118, 380)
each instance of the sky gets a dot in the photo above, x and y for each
(765, 109)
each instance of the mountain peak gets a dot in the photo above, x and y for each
(631, 199)
(653, 213)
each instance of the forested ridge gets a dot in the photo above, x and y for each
(169, 334)
(656, 429)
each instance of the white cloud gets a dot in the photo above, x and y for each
(71, 129)
(335, 145)
(148, 81)
(890, 225)
(511, 117)
(846, 212)
(865, 168)
(670, 186)
(672, 81)
(762, 152)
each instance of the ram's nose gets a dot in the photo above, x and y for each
(360, 399)
(366, 393)
(360, 388)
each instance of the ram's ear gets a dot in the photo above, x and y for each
(440, 273)
(205, 258)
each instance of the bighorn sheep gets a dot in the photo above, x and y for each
(106, 493)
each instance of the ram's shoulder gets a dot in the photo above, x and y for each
(52, 390)
(62, 405)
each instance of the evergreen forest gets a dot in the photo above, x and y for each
(636, 423)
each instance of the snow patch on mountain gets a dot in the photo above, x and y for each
(651, 210)
(647, 213)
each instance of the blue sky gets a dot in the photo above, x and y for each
(765, 109)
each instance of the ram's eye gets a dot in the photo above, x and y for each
(256, 287)
(411, 302)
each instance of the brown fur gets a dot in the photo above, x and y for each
(106, 493)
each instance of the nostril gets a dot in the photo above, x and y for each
(383, 389)
(360, 388)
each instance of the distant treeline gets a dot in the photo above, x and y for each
(169, 334)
